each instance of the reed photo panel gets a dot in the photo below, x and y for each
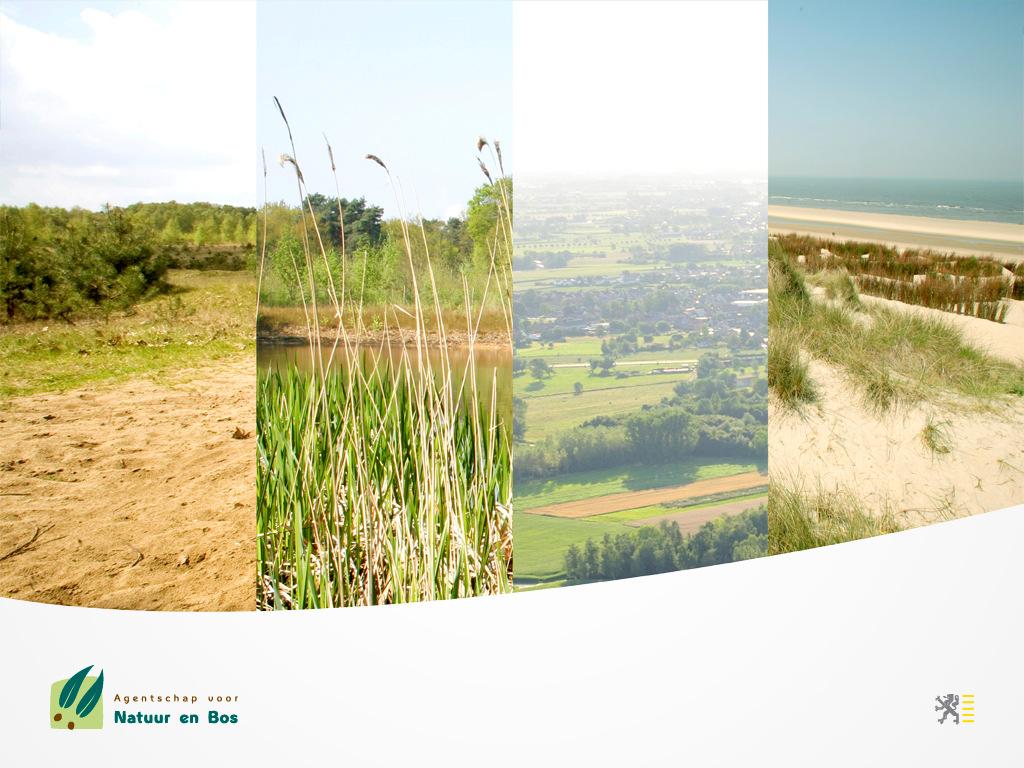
(384, 412)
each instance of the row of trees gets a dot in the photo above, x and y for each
(195, 224)
(371, 252)
(655, 435)
(709, 416)
(663, 549)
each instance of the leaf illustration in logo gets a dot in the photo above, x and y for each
(69, 692)
(91, 697)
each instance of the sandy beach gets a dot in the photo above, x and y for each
(968, 238)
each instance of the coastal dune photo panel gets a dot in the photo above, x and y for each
(896, 267)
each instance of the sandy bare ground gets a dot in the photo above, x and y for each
(838, 446)
(617, 502)
(137, 495)
(974, 238)
(690, 520)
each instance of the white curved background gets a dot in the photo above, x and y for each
(826, 657)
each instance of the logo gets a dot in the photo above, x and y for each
(77, 702)
(955, 707)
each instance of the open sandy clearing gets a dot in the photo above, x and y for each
(138, 495)
(837, 446)
(617, 502)
(690, 520)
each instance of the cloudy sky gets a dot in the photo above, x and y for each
(125, 102)
(641, 87)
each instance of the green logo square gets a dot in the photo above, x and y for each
(77, 702)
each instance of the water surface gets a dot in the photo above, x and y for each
(1001, 201)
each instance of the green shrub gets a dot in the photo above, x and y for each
(57, 263)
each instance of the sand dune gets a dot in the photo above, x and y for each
(138, 495)
(1004, 340)
(885, 462)
(977, 238)
(839, 445)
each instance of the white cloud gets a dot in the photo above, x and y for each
(142, 108)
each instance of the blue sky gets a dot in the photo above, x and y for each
(902, 90)
(414, 83)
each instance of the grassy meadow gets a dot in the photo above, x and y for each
(204, 315)
(596, 483)
(96, 296)
(542, 541)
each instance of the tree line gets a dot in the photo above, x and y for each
(56, 263)
(656, 436)
(366, 253)
(710, 416)
(195, 224)
(663, 549)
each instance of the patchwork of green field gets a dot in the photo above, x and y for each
(659, 510)
(582, 349)
(573, 349)
(556, 413)
(583, 266)
(532, 494)
(586, 239)
(541, 542)
(534, 278)
(563, 380)
(553, 405)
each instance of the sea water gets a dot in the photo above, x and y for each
(1001, 201)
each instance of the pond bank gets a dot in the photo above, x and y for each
(296, 336)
